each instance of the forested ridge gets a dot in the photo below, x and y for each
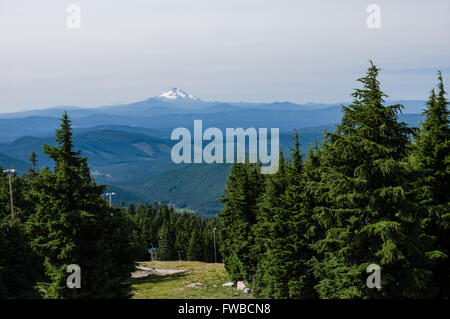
(375, 191)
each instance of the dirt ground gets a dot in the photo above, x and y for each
(146, 271)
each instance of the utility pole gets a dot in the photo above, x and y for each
(110, 198)
(215, 253)
(10, 172)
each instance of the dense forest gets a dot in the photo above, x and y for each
(177, 236)
(375, 191)
(60, 217)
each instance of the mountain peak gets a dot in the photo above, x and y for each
(177, 94)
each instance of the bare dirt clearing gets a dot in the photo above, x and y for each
(146, 271)
(183, 280)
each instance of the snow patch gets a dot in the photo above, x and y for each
(178, 94)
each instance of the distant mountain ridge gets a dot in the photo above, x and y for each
(9, 162)
(176, 100)
(128, 146)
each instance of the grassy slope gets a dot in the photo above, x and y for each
(212, 276)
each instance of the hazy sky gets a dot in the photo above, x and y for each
(227, 50)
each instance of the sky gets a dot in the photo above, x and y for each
(223, 50)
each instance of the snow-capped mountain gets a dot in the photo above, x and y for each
(175, 94)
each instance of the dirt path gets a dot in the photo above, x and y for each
(146, 271)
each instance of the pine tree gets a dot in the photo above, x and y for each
(299, 217)
(430, 159)
(18, 270)
(244, 186)
(182, 236)
(267, 232)
(72, 224)
(166, 246)
(313, 231)
(19, 266)
(131, 209)
(364, 210)
(195, 246)
(3, 265)
(284, 222)
(33, 164)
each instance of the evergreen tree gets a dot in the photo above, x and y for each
(244, 186)
(182, 237)
(166, 247)
(195, 246)
(287, 221)
(364, 210)
(33, 164)
(430, 159)
(73, 224)
(19, 266)
(131, 209)
(18, 271)
(267, 231)
(3, 265)
(299, 221)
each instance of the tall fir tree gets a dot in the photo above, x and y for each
(195, 246)
(430, 159)
(72, 224)
(364, 210)
(244, 186)
(284, 222)
(270, 279)
(166, 246)
(20, 268)
(299, 220)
